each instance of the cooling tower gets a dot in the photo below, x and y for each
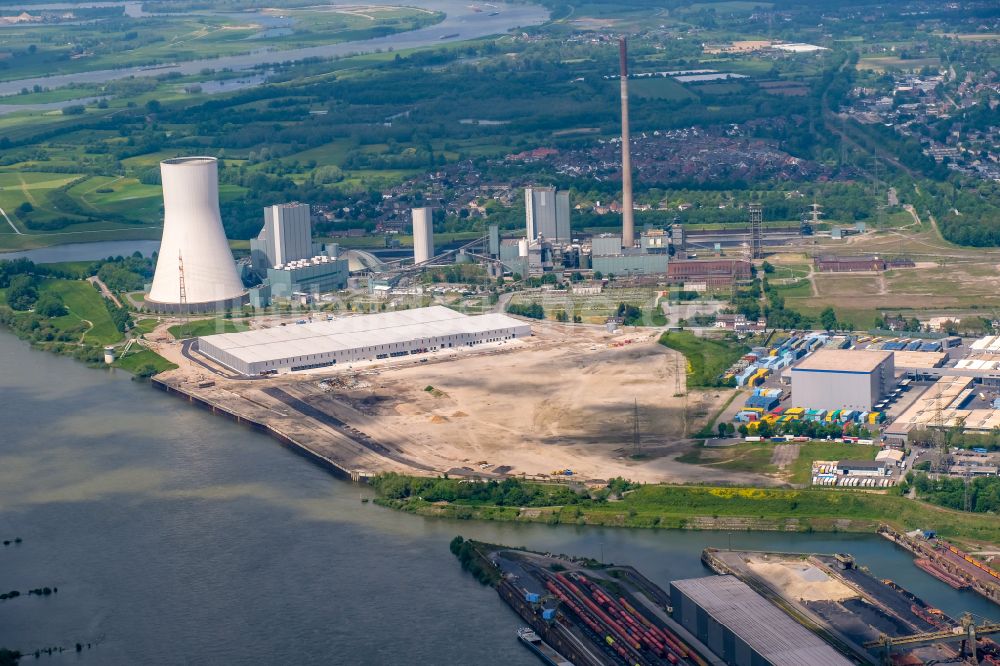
(423, 235)
(195, 271)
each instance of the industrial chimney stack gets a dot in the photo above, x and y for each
(628, 223)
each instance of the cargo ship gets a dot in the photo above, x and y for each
(941, 574)
(541, 648)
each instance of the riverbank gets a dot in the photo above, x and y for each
(710, 508)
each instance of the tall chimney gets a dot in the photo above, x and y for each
(628, 223)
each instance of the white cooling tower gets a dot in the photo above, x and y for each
(423, 235)
(195, 270)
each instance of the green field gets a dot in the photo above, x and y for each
(707, 358)
(136, 361)
(195, 329)
(659, 88)
(86, 305)
(145, 326)
(742, 457)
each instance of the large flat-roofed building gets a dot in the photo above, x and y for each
(842, 378)
(745, 629)
(358, 338)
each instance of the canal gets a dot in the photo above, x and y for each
(178, 537)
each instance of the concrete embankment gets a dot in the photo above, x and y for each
(333, 451)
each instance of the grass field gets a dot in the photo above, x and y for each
(707, 358)
(742, 457)
(595, 308)
(137, 360)
(145, 326)
(756, 457)
(659, 88)
(86, 305)
(194, 329)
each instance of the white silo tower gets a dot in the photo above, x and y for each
(195, 271)
(423, 235)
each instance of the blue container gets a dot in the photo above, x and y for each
(531, 597)
(549, 614)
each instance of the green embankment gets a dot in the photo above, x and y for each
(751, 509)
(143, 361)
(86, 305)
(194, 329)
(707, 358)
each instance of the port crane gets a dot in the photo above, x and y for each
(967, 632)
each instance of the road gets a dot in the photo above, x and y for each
(16, 230)
(105, 292)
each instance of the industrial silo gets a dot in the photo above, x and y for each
(195, 271)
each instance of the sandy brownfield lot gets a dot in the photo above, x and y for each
(566, 398)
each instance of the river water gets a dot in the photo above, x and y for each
(460, 23)
(177, 537)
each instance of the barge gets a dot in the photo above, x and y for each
(544, 651)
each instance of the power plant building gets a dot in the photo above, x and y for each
(745, 629)
(423, 235)
(610, 257)
(357, 338)
(309, 276)
(286, 237)
(195, 271)
(546, 213)
(843, 379)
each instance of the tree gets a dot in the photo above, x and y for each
(828, 318)
(768, 268)
(50, 305)
(22, 294)
(722, 429)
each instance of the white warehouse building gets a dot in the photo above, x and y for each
(359, 338)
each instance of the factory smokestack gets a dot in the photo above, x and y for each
(628, 223)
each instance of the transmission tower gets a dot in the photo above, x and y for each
(756, 231)
(180, 278)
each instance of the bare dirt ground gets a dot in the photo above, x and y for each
(564, 399)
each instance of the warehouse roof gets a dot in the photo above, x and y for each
(354, 332)
(843, 360)
(772, 634)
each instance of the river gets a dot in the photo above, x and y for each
(175, 536)
(84, 251)
(460, 23)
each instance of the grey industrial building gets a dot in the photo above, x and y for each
(286, 237)
(546, 214)
(843, 379)
(357, 338)
(743, 628)
(309, 276)
(609, 257)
